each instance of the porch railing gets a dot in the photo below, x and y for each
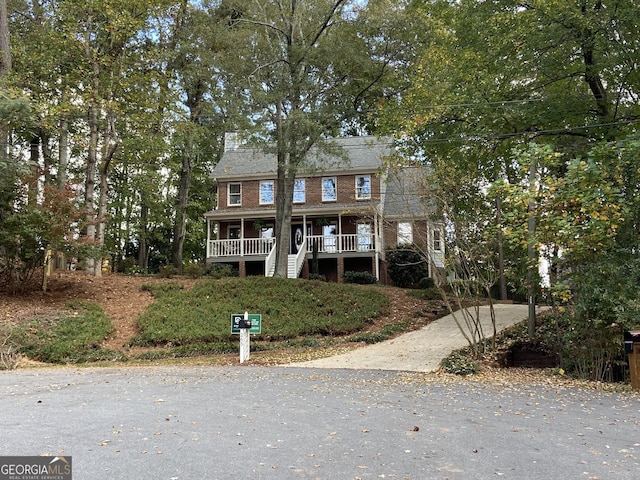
(240, 247)
(356, 242)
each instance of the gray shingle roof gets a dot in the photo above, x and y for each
(344, 154)
(404, 192)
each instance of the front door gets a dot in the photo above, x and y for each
(297, 237)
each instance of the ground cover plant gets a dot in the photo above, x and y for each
(73, 337)
(289, 309)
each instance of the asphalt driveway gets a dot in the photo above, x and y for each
(185, 423)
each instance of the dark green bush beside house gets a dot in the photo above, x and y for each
(406, 265)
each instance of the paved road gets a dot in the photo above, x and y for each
(422, 350)
(186, 423)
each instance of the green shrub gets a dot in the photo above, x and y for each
(220, 270)
(167, 271)
(134, 270)
(459, 363)
(318, 277)
(393, 329)
(406, 265)
(426, 294)
(369, 337)
(427, 283)
(193, 270)
(361, 278)
(74, 338)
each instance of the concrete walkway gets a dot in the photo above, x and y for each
(421, 350)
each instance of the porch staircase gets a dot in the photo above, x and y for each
(294, 263)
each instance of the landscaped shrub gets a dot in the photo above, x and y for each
(459, 363)
(167, 271)
(193, 270)
(317, 276)
(74, 338)
(427, 283)
(221, 270)
(406, 265)
(361, 278)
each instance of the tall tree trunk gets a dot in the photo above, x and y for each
(284, 209)
(6, 62)
(182, 198)
(90, 182)
(63, 151)
(195, 98)
(283, 215)
(502, 279)
(34, 160)
(110, 145)
(143, 239)
(5, 68)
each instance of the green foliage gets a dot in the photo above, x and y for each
(167, 271)
(318, 277)
(459, 363)
(74, 338)
(290, 308)
(407, 266)
(369, 337)
(603, 305)
(220, 270)
(426, 294)
(134, 270)
(193, 270)
(361, 278)
(427, 283)
(385, 333)
(31, 228)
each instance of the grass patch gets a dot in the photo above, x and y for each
(290, 308)
(385, 333)
(74, 338)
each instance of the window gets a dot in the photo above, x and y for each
(299, 195)
(329, 234)
(235, 194)
(437, 245)
(234, 232)
(364, 237)
(405, 233)
(363, 187)
(266, 192)
(329, 190)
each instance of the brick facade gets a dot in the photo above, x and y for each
(346, 192)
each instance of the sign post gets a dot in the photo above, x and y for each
(245, 348)
(245, 324)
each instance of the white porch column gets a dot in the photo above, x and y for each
(242, 237)
(376, 240)
(340, 232)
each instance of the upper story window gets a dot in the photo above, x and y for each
(234, 194)
(405, 233)
(363, 187)
(437, 242)
(267, 194)
(299, 191)
(329, 189)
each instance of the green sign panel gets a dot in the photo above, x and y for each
(254, 321)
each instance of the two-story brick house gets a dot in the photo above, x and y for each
(347, 208)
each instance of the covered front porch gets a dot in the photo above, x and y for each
(252, 239)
